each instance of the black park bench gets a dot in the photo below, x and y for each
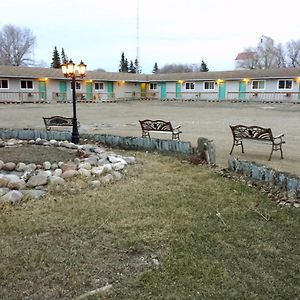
(58, 121)
(256, 133)
(161, 126)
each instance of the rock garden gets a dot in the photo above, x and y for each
(29, 168)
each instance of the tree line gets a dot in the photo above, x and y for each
(131, 67)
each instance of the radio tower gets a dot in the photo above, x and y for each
(138, 63)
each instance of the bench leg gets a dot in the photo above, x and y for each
(277, 147)
(145, 134)
(175, 136)
(232, 148)
(271, 153)
(281, 152)
(235, 143)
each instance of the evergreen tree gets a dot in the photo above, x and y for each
(123, 67)
(126, 66)
(155, 68)
(64, 57)
(55, 59)
(137, 67)
(203, 67)
(132, 68)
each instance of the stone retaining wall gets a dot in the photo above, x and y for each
(128, 142)
(286, 181)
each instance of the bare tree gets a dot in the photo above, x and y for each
(100, 70)
(16, 45)
(266, 53)
(176, 68)
(281, 56)
(293, 53)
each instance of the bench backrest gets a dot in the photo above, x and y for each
(156, 125)
(58, 121)
(251, 132)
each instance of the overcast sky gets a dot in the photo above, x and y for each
(170, 31)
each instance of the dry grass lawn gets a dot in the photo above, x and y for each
(169, 230)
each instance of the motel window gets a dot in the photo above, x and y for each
(286, 84)
(3, 84)
(153, 86)
(209, 85)
(27, 84)
(190, 85)
(99, 86)
(78, 85)
(258, 85)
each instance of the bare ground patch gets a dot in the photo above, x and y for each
(36, 154)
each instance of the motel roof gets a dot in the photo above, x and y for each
(51, 73)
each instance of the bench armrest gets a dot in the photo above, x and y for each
(177, 127)
(279, 136)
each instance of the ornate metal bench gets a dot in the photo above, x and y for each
(256, 133)
(57, 121)
(159, 126)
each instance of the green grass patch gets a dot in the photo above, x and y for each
(169, 230)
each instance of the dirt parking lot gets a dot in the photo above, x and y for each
(198, 119)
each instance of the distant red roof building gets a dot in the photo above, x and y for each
(245, 55)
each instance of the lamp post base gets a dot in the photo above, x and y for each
(75, 133)
(75, 138)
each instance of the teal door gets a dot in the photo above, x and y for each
(163, 90)
(242, 90)
(222, 91)
(110, 90)
(62, 91)
(178, 90)
(42, 90)
(89, 91)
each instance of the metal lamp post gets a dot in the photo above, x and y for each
(69, 70)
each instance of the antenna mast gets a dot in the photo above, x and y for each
(138, 66)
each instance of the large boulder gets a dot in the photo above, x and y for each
(37, 180)
(68, 166)
(56, 180)
(9, 166)
(69, 173)
(12, 196)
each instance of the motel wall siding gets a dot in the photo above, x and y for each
(235, 88)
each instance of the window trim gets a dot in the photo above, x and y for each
(3, 88)
(99, 83)
(209, 81)
(27, 88)
(189, 82)
(153, 89)
(76, 82)
(258, 80)
(284, 89)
